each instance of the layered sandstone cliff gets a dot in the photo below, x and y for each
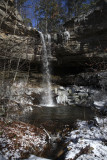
(87, 45)
(16, 40)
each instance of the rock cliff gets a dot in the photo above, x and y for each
(16, 40)
(87, 45)
(85, 49)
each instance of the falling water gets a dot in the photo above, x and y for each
(47, 98)
(49, 45)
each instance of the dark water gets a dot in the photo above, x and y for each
(62, 114)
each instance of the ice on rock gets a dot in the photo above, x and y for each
(62, 98)
(99, 103)
(66, 35)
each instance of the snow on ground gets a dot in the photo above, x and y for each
(2, 158)
(32, 157)
(18, 139)
(21, 92)
(88, 142)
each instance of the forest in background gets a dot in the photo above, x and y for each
(49, 15)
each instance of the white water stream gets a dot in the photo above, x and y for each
(47, 97)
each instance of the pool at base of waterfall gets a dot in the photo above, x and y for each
(59, 113)
(56, 122)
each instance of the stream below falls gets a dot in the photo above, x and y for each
(57, 122)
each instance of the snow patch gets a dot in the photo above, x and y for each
(88, 134)
(99, 103)
(32, 157)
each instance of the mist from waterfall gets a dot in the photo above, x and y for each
(46, 54)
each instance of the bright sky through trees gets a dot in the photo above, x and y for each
(70, 8)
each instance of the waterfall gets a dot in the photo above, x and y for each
(49, 45)
(47, 97)
(66, 35)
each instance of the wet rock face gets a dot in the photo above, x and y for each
(97, 80)
(94, 80)
(88, 40)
